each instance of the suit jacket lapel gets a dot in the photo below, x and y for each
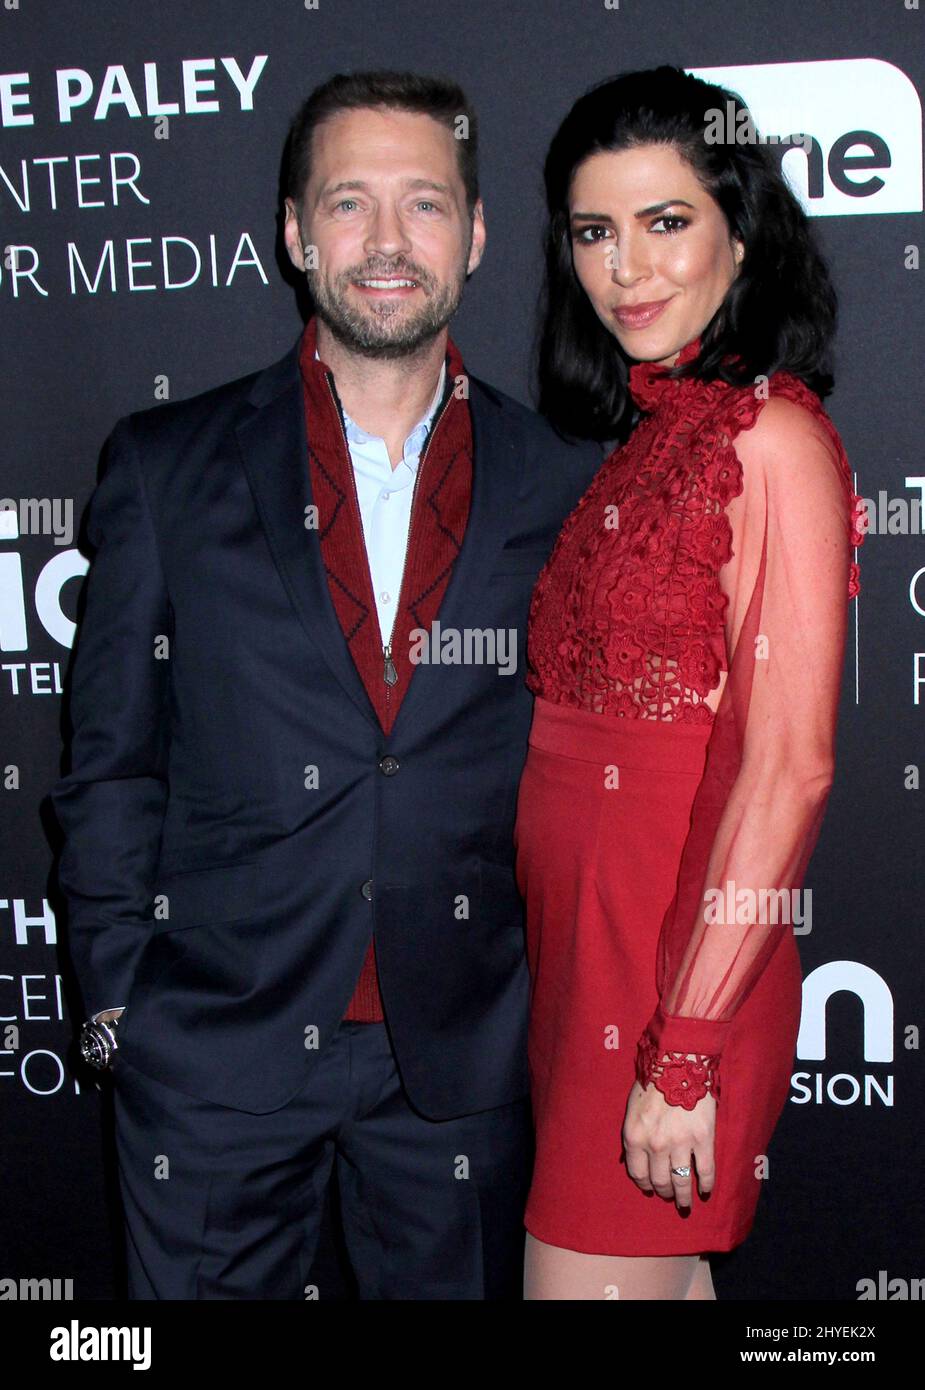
(274, 452)
(495, 471)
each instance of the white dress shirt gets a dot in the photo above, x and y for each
(384, 494)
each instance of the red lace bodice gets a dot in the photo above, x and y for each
(701, 579)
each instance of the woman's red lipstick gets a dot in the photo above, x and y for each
(640, 315)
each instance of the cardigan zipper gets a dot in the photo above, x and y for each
(389, 673)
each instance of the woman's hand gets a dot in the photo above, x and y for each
(658, 1137)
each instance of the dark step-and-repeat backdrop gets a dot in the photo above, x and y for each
(142, 260)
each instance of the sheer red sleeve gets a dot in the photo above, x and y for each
(770, 756)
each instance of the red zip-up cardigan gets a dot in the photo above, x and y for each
(440, 509)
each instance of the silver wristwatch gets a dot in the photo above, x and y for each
(98, 1045)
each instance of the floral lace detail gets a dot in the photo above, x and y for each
(681, 1079)
(627, 616)
(648, 382)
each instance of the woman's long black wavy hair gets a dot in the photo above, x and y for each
(778, 314)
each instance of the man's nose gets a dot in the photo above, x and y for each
(387, 234)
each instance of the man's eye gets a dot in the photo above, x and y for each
(345, 202)
(678, 222)
(428, 205)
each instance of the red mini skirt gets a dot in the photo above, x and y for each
(597, 865)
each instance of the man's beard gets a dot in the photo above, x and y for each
(386, 329)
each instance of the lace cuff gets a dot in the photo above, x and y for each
(682, 1080)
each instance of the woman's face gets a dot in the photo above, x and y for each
(651, 249)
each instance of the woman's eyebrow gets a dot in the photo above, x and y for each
(645, 212)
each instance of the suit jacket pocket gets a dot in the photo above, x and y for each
(209, 897)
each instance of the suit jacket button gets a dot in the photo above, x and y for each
(367, 889)
(388, 765)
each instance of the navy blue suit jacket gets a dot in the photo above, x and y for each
(218, 887)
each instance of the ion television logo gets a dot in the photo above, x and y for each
(23, 600)
(845, 1088)
(848, 132)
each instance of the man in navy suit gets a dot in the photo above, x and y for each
(299, 723)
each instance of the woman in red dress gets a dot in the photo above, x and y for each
(685, 651)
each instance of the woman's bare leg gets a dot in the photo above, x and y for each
(553, 1273)
(702, 1282)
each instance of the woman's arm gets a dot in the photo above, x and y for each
(770, 757)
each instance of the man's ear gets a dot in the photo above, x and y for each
(292, 235)
(477, 248)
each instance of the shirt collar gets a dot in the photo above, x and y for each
(357, 435)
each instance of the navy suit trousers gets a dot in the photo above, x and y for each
(223, 1204)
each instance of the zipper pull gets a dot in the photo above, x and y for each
(389, 674)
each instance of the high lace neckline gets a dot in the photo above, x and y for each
(648, 383)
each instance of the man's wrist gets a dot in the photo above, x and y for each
(98, 1040)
